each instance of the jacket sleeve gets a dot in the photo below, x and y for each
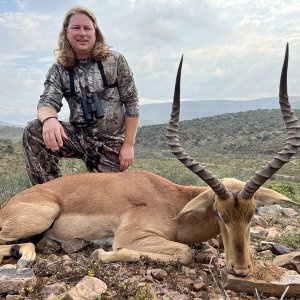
(127, 88)
(53, 90)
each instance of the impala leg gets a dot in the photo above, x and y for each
(154, 247)
(27, 218)
(25, 251)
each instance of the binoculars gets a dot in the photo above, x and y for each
(91, 107)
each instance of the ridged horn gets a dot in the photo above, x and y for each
(172, 135)
(292, 142)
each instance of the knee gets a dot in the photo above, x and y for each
(32, 129)
(186, 255)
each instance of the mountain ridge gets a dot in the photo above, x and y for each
(159, 113)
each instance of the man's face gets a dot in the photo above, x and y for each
(81, 35)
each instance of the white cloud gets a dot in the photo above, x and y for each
(219, 72)
(232, 49)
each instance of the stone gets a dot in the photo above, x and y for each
(258, 231)
(48, 246)
(266, 254)
(289, 212)
(104, 243)
(289, 261)
(198, 285)
(291, 228)
(55, 288)
(259, 220)
(205, 256)
(88, 288)
(214, 243)
(74, 245)
(12, 280)
(279, 249)
(274, 232)
(272, 212)
(270, 281)
(158, 274)
(52, 297)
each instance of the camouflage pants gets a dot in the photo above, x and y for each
(42, 163)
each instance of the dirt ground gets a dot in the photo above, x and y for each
(142, 280)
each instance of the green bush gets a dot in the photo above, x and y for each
(12, 183)
(286, 189)
(170, 169)
(291, 240)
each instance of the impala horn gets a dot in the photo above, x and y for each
(172, 135)
(292, 142)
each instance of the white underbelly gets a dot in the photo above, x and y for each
(89, 228)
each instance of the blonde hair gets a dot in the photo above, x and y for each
(65, 55)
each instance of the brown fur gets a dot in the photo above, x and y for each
(146, 214)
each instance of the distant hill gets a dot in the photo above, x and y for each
(152, 114)
(253, 133)
(10, 132)
(243, 140)
(8, 124)
(160, 113)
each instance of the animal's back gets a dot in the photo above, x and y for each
(107, 192)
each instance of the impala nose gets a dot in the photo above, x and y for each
(241, 271)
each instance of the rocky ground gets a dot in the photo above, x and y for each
(61, 273)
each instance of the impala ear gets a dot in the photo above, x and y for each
(268, 196)
(199, 203)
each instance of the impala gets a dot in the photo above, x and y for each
(148, 215)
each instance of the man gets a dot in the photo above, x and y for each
(103, 100)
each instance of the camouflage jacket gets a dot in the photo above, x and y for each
(116, 102)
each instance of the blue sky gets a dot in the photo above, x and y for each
(232, 49)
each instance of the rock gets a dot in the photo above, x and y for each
(267, 280)
(13, 280)
(214, 243)
(55, 288)
(48, 266)
(274, 232)
(291, 228)
(220, 262)
(289, 261)
(188, 271)
(174, 296)
(104, 243)
(158, 274)
(198, 285)
(88, 288)
(74, 245)
(258, 231)
(258, 220)
(47, 246)
(279, 249)
(205, 256)
(266, 254)
(289, 212)
(272, 212)
(52, 297)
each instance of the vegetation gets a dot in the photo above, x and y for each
(229, 145)
(291, 240)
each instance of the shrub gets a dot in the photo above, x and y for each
(285, 189)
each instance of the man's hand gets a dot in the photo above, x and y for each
(53, 134)
(126, 156)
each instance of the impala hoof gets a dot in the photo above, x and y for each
(97, 254)
(22, 263)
